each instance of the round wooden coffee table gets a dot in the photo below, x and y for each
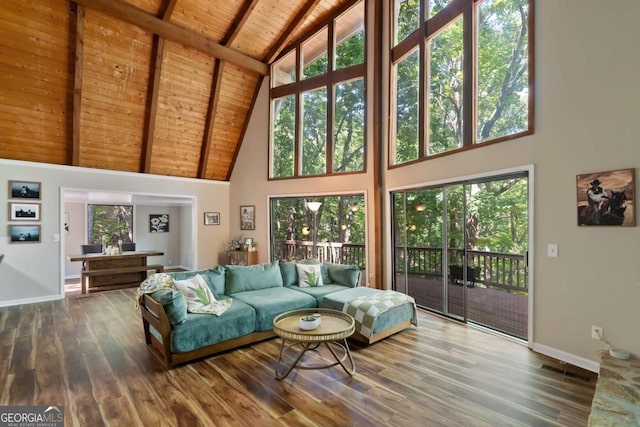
(335, 327)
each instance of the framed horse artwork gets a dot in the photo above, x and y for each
(607, 198)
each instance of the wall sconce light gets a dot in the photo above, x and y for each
(421, 207)
(355, 208)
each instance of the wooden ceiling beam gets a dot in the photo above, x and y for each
(287, 34)
(232, 33)
(169, 31)
(154, 84)
(239, 22)
(77, 85)
(211, 116)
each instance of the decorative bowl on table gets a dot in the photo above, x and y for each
(309, 323)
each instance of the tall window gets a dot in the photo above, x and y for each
(318, 100)
(335, 232)
(109, 223)
(460, 75)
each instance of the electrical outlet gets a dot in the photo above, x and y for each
(596, 332)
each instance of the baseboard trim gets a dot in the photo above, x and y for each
(563, 356)
(36, 300)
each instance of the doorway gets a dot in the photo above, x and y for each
(461, 250)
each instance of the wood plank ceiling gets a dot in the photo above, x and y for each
(154, 86)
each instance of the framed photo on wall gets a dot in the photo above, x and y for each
(247, 217)
(24, 233)
(212, 218)
(607, 198)
(158, 223)
(24, 211)
(24, 190)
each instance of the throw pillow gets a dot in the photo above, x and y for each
(289, 274)
(309, 275)
(199, 297)
(240, 278)
(346, 275)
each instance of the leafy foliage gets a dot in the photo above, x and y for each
(111, 222)
(346, 107)
(314, 132)
(495, 220)
(283, 135)
(348, 154)
(311, 279)
(202, 295)
(501, 79)
(340, 219)
(407, 91)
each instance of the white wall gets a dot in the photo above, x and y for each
(77, 236)
(20, 280)
(587, 92)
(169, 242)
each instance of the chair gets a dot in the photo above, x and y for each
(128, 247)
(91, 249)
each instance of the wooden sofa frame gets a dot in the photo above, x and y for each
(153, 314)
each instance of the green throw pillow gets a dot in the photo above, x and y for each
(240, 278)
(174, 303)
(346, 275)
(289, 273)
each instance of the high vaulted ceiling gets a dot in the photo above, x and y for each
(155, 86)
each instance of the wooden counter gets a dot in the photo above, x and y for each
(105, 272)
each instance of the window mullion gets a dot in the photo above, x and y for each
(331, 61)
(297, 159)
(423, 110)
(468, 91)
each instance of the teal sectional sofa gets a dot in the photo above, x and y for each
(259, 292)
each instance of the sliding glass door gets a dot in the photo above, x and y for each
(460, 250)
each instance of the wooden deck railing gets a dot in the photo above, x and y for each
(339, 253)
(496, 270)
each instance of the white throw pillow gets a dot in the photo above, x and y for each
(199, 297)
(309, 275)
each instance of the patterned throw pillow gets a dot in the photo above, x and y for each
(309, 275)
(199, 297)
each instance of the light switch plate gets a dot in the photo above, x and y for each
(552, 250)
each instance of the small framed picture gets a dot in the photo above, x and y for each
(248, 241)
(24, 211)
(212, 218)
(158, 223)
(247, 217)
(607, 198)
(24, 190)
(24, 233)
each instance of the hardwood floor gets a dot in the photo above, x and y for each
(88, 354)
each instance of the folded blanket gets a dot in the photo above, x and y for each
(195, 301)
(366, 309)
(154, 283)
